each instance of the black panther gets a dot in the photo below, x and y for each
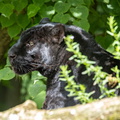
(42, 48)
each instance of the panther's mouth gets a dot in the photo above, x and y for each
(26, 67)
(22, 69)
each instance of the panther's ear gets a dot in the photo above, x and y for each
(58, 32)
(44, 21)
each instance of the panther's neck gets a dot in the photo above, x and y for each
(56, 96)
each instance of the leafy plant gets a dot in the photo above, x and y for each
(6, 73)
(77, 90)
(113, 32)
(17, 15)
(100, 78)
(33, 87)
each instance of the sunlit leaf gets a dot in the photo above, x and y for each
(106, 1)
(6, 74)
(40, 98)
(80, 12)
(7, 10)
(32, 10)
(47, 11)
(36, 88)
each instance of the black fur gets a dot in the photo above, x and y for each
(42, 48)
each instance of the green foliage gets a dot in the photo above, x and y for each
(18, 15)
(6, 74)
(47, 11)
(100, 78)
(62, 7)
(23, 21)
(14, 30)
(19, 5)
(32, 10)
(7, 10)
(74, 90)
(37, 92)
(113, 32)
(5, 22)
(77, 12)
(83, 14)
(33, 87)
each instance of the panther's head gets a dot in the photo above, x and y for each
(39, 48)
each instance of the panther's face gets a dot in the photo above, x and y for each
(37, 48)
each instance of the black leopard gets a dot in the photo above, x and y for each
(42, 48)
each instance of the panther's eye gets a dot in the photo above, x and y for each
(30, 43)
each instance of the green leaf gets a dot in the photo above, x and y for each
(83, 23)
(37, 76)
(6, 22)
(80, 12)
(38, 2)
(36, 88)
(6, 74)
(62, 18)
(7, 10)
(88, 2)
(104, 41)
(112, 7)
(47, 0)
(61, 7)
(75, 2)
(14, 30)
(32, 10)
(23, 20)
(59, 0)
(20, 4)
(1, 6)
(40, 98)
(47, 11)
(106, 1)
